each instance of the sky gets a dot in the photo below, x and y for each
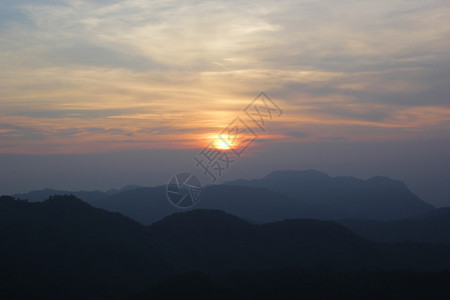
(101, 94)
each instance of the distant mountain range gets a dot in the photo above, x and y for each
(278, 196)
(87, 196)
(379, 198)
(65, 245)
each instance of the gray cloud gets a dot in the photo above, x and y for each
(297, 134)
(14, 132)
(333, 138)
(77, 113)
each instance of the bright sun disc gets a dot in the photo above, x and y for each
(220, 144)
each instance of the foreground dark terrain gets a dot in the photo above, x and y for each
(65, 248)
(303, 284)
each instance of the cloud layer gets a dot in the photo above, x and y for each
(91, 76)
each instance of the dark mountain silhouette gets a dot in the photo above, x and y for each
(143, 204)
(42, 195)
(65, 248)
(278, 196)
(64, 244)
(215, 241)
(378, 198)
(87, 196)
(433, 227)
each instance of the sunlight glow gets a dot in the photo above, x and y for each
(221, 145)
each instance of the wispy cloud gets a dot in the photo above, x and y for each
(168, 73)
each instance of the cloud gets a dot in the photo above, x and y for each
(297, 134)
(333, 138)
(74, 113)
(172, 72)
(14, 132)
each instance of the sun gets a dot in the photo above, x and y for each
(221, 145)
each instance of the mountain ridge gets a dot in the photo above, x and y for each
(277, 196)
(350, 195)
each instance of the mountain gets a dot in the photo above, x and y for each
(148, 205)
(124, 189)
(378, 198)
(42, 195)
(214, 241)
(278, 196)
(64, 244)
(88, 196)
(260, 204)
(433, 227)
(65, 248)
(143, 204)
